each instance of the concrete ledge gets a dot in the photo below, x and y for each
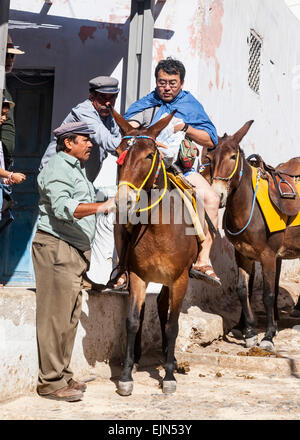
(101, 335)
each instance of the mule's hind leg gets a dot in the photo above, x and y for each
(176, 295)
(238, 330)
(136, 302)
(268, 262)
(244, 288)
(277, 278)
(138, 341)
(163, 309)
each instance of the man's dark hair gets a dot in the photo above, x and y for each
(171, 67)
(60, 146)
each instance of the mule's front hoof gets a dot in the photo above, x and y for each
(125, 388)
(169, 386)
(251, 342)
(236, 333)
(267, 345)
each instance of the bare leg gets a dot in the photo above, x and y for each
(211, 203)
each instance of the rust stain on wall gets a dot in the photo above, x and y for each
(114, 31)
(158, 52)
(87, 32)
(211, 33)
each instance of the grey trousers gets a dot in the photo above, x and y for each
(58, 268)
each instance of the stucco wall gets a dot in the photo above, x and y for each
(80, 40)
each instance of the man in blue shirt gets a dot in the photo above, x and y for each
(60, 252)
(190, 120)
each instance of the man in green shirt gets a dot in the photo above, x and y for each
(60, 252)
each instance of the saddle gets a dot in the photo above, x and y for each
(187, 194)
(281, 183)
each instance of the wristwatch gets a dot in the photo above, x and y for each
(185, 127)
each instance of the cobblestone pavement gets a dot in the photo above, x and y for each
(221, 382)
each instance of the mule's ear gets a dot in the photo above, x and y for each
(155, 129)
(238, 136)
(124, 126)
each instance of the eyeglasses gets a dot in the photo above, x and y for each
(163, 83)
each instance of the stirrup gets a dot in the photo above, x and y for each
(113, 280)
(286, 195)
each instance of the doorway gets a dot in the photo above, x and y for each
(32, 92)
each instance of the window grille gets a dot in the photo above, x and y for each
(255, 43)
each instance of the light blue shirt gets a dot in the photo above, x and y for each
(106, 139)
(63, 185)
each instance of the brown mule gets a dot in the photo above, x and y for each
(231, 177)
(159, 252)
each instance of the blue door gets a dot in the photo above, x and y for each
(32, 92)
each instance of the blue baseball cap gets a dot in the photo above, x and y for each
(73, 127)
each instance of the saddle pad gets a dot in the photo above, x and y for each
(276, 221)
(186, 194)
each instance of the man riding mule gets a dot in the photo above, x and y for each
(256, 234)
(157, 252)
(191, 121)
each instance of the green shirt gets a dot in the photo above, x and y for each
(63, 185)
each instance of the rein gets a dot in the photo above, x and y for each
(131, 141)
(228, 179)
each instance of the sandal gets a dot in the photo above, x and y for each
(119, 283)
(205, 273)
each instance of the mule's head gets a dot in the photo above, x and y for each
(138, 155)
(224, 162)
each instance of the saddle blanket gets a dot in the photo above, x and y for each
(186, 193)
(276, 221)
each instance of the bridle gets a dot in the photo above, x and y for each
(131, 140)
(228, 180)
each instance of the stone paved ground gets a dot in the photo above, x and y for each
(221, 383)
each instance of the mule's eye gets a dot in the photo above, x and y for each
(233, 157)
(150, 156)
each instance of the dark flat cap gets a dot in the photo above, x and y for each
(104, 84)
(73, 127)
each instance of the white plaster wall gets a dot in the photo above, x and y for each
(210, 38)
(294, 6)
(84, 38)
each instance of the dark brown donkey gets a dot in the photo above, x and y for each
(231, 178)
(160, 253)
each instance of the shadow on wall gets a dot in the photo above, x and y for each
(66, 54)
(224, 301)
(105, 320)
(77, 49)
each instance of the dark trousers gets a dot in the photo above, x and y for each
(59, 268)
